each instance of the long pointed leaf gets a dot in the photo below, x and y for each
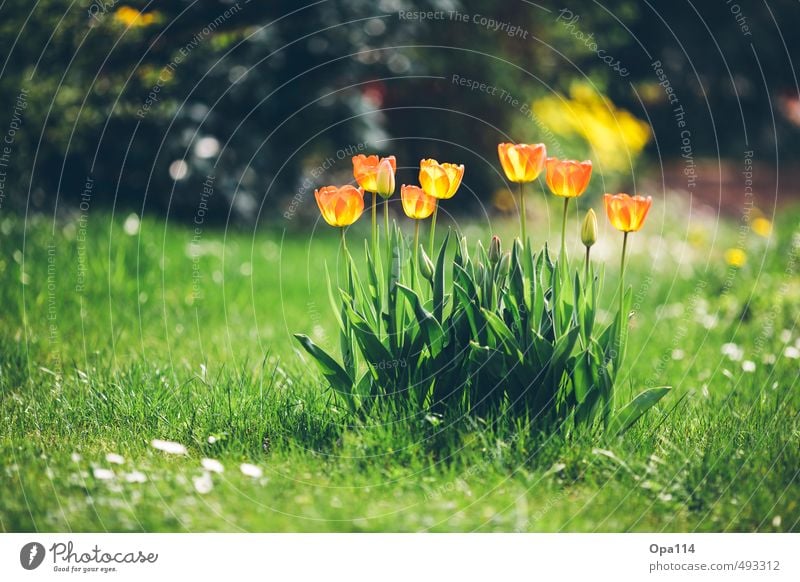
(633, 411)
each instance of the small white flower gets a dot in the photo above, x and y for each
(203, 484)
(131, 225)
(76, 458)
(786, 336)
(791, 352)
(212, 439)
(768, 359)
(251, 470)
(136, 477)
(170, 447)
(709, 321)
(776, 521)
(734, 352)
(678, 354)
(212, 465)
(749, 366)
(103, 474)
(115, 459)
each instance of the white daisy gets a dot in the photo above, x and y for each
(136, 477)
(212, 465)
(734, 352)
(251, 470)
(115, 459)
(103, 474)
(170, 447)
(203, 484)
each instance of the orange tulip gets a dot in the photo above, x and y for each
(340, 206)
(440, 180)
(627, 213)
(365, 170)
(522, 162)
(568, 178)
(416, 203)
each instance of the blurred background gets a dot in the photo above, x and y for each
(245, 107)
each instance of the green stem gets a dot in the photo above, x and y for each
(374, 226)
(345, 257)
(388, 237)
(415, 265)
(564, 231)
(522, 216)
(586, 269)
(623, 323)
(622, 283)
(433, 228)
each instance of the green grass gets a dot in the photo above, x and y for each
(137, 355)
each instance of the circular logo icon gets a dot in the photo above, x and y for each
(31, 555)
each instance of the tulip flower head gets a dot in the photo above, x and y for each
(340, 206)
(416, 203)
(385, 178)
(522, 162)
(568, 178)
(440, 180)
(366, 168)
(627, 213)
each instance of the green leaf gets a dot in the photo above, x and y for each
(503, 333)
(584, 376)
(335, 305)
(633, 411)
(434, 334)
(465, 302)
(438, 280)
(375, 290)
(373, 349)
(333, 372)
(365, 387)
(348, 352)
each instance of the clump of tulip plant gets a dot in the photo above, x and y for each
(478, 330)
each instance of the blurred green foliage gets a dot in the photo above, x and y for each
(272, 97)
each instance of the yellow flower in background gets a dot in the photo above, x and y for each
(615, 135)
(503, 200)
(762, 226)
(132, 17)
(735, 257)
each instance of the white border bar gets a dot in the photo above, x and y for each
(404, 557)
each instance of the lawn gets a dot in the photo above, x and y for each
(116, 332)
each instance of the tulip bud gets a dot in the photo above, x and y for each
(589, 229)
(385, 178)
(494, 250)
(505, 264)
(425, 264)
